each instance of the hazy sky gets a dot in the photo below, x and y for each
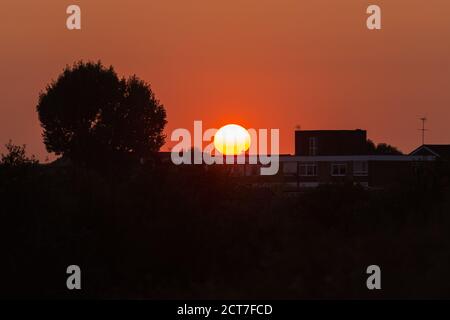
(258, 63)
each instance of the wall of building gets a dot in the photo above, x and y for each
(331, 142)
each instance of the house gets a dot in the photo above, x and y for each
(337, 157)
(441, 151)
(330, 142)
(344, 156)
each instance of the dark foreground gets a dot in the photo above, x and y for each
(157, 234)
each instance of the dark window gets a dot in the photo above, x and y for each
(360, 168)
(339, 169)
(308, 169)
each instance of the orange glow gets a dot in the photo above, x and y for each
(232, 139)
(262, 64)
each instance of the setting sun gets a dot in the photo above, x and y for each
(232, 139)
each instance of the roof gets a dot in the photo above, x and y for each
(345, 158)
(329, 131)
(439, 150)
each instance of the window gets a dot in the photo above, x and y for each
(338, 169)
(308, 169)
(313, 146)
(360, 168)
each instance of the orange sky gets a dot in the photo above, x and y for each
(259, 63)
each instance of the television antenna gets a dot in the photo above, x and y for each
(424, 120)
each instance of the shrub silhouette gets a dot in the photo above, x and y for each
(382, 148)
(94, 118)
(16, 156)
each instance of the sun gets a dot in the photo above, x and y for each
(232, 139)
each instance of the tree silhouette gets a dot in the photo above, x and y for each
(94, 118)
(16, 156)
(382, 148)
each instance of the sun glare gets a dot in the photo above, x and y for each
(232, 139)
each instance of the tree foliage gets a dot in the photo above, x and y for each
(92, 117)
(382, 148)
(16, 156)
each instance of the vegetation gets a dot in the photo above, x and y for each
(146, 230)
(382, 148)
(94, 118)
(16, 156)
(193, 234)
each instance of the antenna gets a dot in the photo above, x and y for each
(424, 120)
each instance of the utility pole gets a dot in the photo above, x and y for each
(424, 120)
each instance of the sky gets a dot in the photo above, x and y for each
(258, 63)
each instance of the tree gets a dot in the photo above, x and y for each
(382, 148)
(16, 156)
(94, 118)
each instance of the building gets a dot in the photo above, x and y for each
(440, 151)
(330, 142)
(338, 157)
(343, 156)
